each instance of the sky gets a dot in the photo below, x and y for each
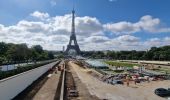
(100, 24)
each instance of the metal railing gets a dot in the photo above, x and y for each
(62, 86)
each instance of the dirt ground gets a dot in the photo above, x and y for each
(83, 91)
(142, 91)
(48, 90)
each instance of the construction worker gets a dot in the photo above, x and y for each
(127, 80)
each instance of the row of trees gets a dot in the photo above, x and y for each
(16, 53)
(155, 53)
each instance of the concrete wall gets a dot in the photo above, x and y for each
(12, 86)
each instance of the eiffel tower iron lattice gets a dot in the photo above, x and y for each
(75, 46)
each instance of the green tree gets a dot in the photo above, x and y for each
(3, 48)
(38, 49)
(50, 55)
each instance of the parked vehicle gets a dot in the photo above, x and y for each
(162, 92)
(117, 82)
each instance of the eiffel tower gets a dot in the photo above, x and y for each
(75, 46)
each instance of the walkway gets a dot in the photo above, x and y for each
(48, 90)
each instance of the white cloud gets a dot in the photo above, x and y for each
(112, 0)
(88, 25)
(122, 27)
(40, 15)
(167, 39)
(96, 39)
(53, 33)
(146, 23)
(127, 38)
(50, 31)
(125, 42)
(85, 26)
(156, 42)
(53, 2)
(153, 42)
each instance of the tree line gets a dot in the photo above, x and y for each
(18, 53)
(155, 53)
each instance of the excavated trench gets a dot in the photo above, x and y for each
(69, 83)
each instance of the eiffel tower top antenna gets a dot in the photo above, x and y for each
(73, 20)
(73, 5)
(73, 11)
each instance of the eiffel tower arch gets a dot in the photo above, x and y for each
(73, 39)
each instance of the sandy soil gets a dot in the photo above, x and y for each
(83, 91)
(48, 91)
(154, 62)
(142, 91)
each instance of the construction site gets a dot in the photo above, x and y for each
(71, 80)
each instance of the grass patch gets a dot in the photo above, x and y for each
(165, 70)
(124, 64)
